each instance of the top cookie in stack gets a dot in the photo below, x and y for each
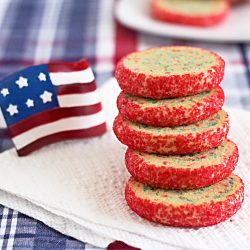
(169, 72)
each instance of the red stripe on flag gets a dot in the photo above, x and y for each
(125, 41)
(68, 66)
(76, 88)
(66, 135)
(49, 116)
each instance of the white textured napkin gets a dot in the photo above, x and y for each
(77, 187)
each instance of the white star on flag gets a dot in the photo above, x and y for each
(29, 103)
(46, 96)
(42, 77)
(22, 82)
(5, 92)
(12, 109)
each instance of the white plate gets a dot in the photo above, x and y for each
(235, 28)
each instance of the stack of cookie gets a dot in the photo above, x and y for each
(178, 154)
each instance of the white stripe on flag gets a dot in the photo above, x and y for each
(2, 120)
(76, 100)
(67, 124)
(63, 78)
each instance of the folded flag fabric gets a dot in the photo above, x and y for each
(49, 103)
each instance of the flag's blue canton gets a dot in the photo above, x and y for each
(26, 93)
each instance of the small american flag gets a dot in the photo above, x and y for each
(49, 103)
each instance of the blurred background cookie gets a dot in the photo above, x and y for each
(190, 12)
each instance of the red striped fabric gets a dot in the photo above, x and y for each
(125, 41)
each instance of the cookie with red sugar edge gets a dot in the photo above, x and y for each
(167, 72)
(188, 139)
(183, 171)
(186, 208)
(192, 12)
(170, 112)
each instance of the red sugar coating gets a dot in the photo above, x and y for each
(169, 116)
(188, 215)
(168, 177)
(168, 86)
(166, 15)
(167, 143)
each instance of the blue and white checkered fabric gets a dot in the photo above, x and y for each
(18, 231)
(36, 32)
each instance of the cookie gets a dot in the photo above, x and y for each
(183, 171)
(191, 12)
(167, 72)
(197, 137)
(186, 208)
(170, 112)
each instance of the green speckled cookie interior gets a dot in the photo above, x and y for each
(215, 192)
(171, 61)
(187, 101)
(210, 123)
(210, 157)
(193, 7)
